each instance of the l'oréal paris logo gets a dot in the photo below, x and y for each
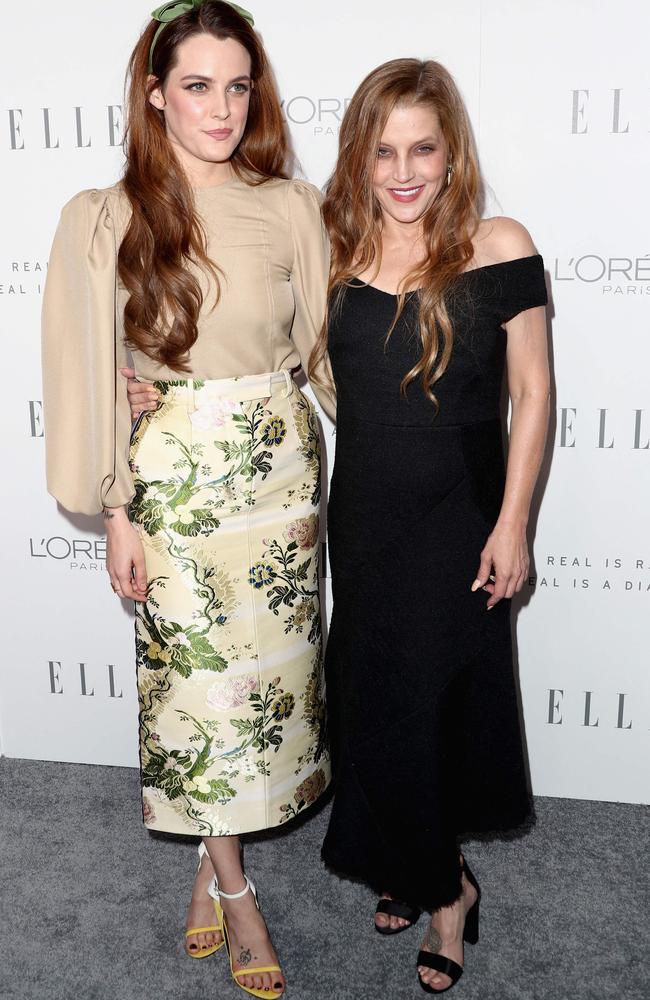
(322, 115)
(624, 275)
(74, 553)
(59, 128)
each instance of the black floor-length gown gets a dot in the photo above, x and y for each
(421, 693)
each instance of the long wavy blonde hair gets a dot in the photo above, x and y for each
(353, 216)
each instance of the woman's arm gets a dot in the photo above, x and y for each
(87, 422)
(309, 275)
(504, 559)
(124, 555)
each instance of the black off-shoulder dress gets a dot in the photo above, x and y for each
(421, 694)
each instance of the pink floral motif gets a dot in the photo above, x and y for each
(148, 811)
(304, 531)
(213, 413)
(232, 693)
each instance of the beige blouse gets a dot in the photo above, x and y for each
(270, 245)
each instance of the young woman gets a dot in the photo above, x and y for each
(428, 304)
(212, 267)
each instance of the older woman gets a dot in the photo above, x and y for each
(428, 304)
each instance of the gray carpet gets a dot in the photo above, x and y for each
(93, 905)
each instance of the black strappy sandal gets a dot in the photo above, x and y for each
(470, 934)
(393, 908)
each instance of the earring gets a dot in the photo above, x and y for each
(450, 170)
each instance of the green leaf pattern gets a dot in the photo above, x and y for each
(214, 722)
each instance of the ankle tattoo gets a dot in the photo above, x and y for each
(433, 941)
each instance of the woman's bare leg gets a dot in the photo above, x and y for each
(445, 935)
(249, 938)
(200, 912)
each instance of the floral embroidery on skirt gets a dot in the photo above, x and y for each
(228, 643)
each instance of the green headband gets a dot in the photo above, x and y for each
(175, 8)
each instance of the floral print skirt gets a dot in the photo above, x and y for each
(228, 642)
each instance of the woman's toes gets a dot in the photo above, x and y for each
(428, 976)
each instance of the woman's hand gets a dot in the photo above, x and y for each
(504, 563)
(125, 556)
(142, 395)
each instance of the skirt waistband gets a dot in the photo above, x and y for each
(243, 388)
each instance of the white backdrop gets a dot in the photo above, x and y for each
(558, 94)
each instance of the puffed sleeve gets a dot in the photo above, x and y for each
(309, 276)
(86, 411)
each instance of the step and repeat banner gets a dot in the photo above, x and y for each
(563, 137)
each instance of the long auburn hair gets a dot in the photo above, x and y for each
(164, 234)
(353, 215)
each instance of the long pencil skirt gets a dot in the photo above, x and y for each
(228, 642)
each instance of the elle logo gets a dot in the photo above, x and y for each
(591, 717)
(48, 131)
(35, 418)
(81, 685)
(614, 111)
(637, 437)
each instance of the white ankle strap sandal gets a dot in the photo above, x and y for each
(213, 889)
(238, 895)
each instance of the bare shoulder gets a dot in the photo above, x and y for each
(501, 239)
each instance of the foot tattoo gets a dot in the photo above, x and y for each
(432, 941)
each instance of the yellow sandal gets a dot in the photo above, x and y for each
(214, 894)
(262, 994)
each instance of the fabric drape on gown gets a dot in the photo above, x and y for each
(421, 694)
